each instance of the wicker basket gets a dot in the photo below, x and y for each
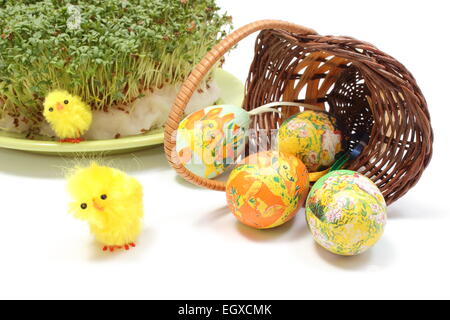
(370, 93)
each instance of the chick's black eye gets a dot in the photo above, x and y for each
(50, 110)
(104, 197)
(84, 206)
(66, 101)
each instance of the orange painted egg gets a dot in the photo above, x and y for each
(267, 189)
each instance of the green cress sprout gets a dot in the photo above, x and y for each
(105, 51)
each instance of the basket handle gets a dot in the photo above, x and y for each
(193, 81)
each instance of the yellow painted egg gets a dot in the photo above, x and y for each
(313, 137)
(346, 213)
(268, 189)
(212, 139)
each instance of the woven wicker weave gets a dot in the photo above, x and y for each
(370, 93)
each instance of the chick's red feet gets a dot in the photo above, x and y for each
(113, 248)
(70, 140)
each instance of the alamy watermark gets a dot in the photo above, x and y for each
(210, 146)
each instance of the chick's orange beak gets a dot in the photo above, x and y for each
(97, 206)
(59, 107)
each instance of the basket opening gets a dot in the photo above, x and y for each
(367, 90)
(323, 79)
(372, 95)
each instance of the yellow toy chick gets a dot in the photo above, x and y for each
(110, 201)
(69, 117)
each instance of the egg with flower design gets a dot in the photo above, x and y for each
(210, 140)
(346, 213)
(313, 137)
(267, 189)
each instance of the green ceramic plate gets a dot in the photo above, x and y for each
(232, 92)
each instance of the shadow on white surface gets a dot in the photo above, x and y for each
(213, 216)
(180, 180)
(376, 258)
(96, 254)
(25, 164)
(152, 159)
(264, 235)
(294, 230)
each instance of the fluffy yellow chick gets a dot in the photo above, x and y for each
(69, 117)
(110, 201)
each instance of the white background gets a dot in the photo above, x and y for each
(192, 247)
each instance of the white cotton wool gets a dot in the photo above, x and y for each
(9, 124)
(149, 112)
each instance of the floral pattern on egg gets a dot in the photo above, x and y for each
(311, 136)
(212, 139)
(346, 213)
(268, 189)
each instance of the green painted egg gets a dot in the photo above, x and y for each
(212, 139)
(346, 213)
(311, 136)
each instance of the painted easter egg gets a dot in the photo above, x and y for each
(212, 139)
(313, 137)
(267, 189)
(346, 212)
